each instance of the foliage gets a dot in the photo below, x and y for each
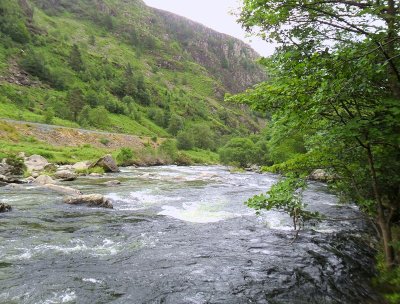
(125, 157)
(17, 164)
(285, 196)
(185, 140)
(240, 151)
(335, 80)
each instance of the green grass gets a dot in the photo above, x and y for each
(61, 155)
(203, 156)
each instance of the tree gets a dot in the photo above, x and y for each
(75, 102)
(336, 78)
(75, 59)
(185, 140)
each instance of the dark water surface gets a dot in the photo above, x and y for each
(178, 235)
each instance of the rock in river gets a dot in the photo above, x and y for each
(63, 189)
(44, 180)
(65, 175)
(92, 200)
(5, 207)
(10, 180)
(81, 166)
(108, 163)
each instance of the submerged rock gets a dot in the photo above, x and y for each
(112, 183)
(65, 175)
(107, 162)
(63, 189)
(92, 200)
(4, 207)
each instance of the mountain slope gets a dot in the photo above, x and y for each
(121, 66)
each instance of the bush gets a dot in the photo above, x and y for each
(98, 117)
(185, 140)
(17, 164)
(125, 157)
(238, 151)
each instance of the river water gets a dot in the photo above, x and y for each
(179, 235)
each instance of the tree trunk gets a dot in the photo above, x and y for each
(387, 239)
(391, 41)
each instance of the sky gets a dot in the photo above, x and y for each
(216, 15)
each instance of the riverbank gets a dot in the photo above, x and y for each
(69, 145)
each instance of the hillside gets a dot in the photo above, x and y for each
(120, 66)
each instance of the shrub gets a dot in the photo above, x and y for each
(17, 164)
(240, 151)
(185, 140)
(125, 157)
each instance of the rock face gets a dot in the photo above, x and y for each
(4, 207)
(108, 163)
(92, 200)
(36, 163)
(44, 180)
(65, 175)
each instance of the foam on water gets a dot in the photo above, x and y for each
(67, 296)
(197, 213)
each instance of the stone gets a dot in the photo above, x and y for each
(5, 169)
(81, 166)
(63, 189)
(5, 207)
(65, 175)
(30, 179)
(95, 175)
(36, 163)
(44, 180)
(112, 183)
(107, 162)
(320, 175)
(10, 180)
(91, 200)
(14, 187)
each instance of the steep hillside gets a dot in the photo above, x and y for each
(120, 66)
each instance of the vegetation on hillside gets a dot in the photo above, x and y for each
(111, 65)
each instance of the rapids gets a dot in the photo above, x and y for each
(179, 235)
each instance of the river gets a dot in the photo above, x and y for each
(179, 235)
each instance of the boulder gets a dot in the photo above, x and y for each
(44, 180)
(320, 175)
(63, 189)
(10, 180)
(30, 179)
(5, 169)
(36, 163)
(81, 166)
(92, 200)
(107, 162)
(4, 207)
(65, 175)
(112, 183)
